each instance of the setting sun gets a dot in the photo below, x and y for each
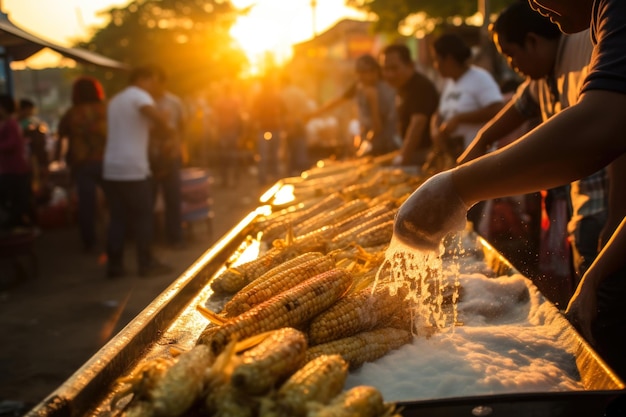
(273, 26)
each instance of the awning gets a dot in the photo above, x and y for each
(19, 45)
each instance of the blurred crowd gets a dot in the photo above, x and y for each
(123, 156)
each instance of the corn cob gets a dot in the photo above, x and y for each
(275, 281)
(281, 226)
(235, 278)
(371, 212)
(180, 387)
(320, 380)
(289, 308)
(270, 362)
(361, 401)
(363, 347)
(350, 236)
(376, 235)
(338, 214)
(354, 313)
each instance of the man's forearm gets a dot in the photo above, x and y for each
(573, 144)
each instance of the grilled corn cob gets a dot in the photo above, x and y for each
(272, 360)
(182, 383)
(277, 280)
(376, 235)
(280, 226)
(360, 401)
(289, 308)
(234, 279)
(342, 212)
(350, 236)
(320, 380)
(354, 313)
(364, 215)
(363, 347)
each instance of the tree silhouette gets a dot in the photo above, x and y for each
(189, 38)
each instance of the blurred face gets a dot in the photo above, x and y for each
(529, 60)
(570, 15)
(395, 71)
(443, 64)
(149, 84)
(367, 77)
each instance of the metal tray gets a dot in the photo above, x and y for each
(172, 319)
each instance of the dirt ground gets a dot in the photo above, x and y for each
(53, 323)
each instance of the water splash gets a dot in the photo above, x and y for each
(428, 286)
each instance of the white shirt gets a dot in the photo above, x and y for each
(128, 131)
(475, 90)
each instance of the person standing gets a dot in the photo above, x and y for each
(297, 105)
(267, 114)
(15, 173)
(83, 125)
(127, 178)
(166, 158)
(228, 117)
(417, 100)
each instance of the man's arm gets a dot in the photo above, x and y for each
(571, 145)
(617, 198)
(505, 122)
(582, 308)
(413, 135)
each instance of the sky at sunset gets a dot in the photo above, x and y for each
(272, 24)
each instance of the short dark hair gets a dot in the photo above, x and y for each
(366, 63)
(7, 102)
(451, 44)
(400, 49)
(144, 71)
(26, 103)
(518, 20)
(87, 90)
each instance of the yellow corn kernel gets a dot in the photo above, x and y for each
(376, 235)
(277, 280)
(363, 347)
(344, 211)
(270, 362)
(350, 236)
(354, 313)
(289, 308)
(281, 225)
(320, 380)
(361, 401)
(182, 383)
(234, 279)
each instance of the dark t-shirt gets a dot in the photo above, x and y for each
(417, 96)
(608, 61)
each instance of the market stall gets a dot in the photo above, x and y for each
(489, 342)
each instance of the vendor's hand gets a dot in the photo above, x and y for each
(397, 160)
(582, 310)
(430, 213)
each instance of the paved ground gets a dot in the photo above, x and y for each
(51, 325)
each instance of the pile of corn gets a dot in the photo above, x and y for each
(300, 315)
